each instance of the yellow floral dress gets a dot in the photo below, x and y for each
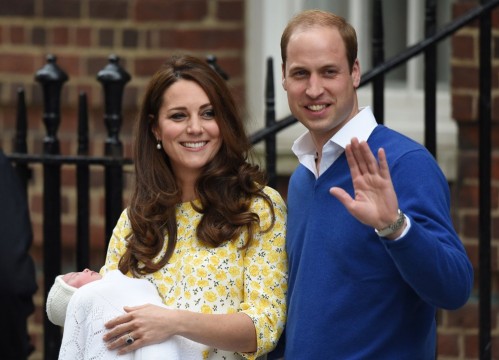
(226, 279)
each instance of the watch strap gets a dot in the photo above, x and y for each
(393, 227)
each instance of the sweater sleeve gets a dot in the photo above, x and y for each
(117, 244)
(265, 279)
(430, 257)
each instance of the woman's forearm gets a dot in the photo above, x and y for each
(232, 332)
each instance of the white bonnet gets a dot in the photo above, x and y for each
(58, 299)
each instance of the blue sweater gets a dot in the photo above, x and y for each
(353, 295)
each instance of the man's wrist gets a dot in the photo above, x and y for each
(393, 227)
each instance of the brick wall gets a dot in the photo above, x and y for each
(458, 330)
(82, 34)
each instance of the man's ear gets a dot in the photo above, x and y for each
(283, 69)
(356, 73)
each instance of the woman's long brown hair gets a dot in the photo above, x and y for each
(225, 189)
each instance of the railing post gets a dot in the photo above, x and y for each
(113, 79)
(51, 78)
(484, 156)
(20, 144)
(83, 189)
(270, 141)
(378, 44)
(430, 71)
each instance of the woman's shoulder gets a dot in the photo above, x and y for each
(278, 203)
(273, 194)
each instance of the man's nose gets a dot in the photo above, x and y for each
(314, 87)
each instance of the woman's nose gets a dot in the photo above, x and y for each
(194, 126)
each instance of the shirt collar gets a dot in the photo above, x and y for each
(360, 126)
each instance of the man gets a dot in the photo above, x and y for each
(18, 283)
(371, 246)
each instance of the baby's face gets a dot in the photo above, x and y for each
(78, 279)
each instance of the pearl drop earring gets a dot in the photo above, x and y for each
(158, 145)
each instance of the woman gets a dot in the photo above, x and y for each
(202, 226)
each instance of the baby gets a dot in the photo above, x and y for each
(83, 305)
(61, 292)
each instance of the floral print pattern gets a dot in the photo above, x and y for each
(226, 279)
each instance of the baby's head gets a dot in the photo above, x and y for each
(60, 293)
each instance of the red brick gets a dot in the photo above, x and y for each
(469, 226)
(463, 7)
(108, 9)
(148, 66)
(233, 66)
(464, 77)
(83, 37)
(495, 167)
(106, 37)
(463, 47)
(17, 63)
(67, 9)
(465, 317)
(70, 64)
(468, 196)
(39, 36)
(467, 165)
(60, 36)
(448, 345)
(202, 39)
(17, 35)
(130, 38)
(464, 107)
(471, 346)
(177, 10)
(468, 136)
(230, 10)
(17, 8)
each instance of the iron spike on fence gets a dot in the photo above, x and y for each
(51, 78)
(113, 79)
(212, 61)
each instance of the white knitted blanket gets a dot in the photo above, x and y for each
(94, 304)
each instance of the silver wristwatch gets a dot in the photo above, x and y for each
(390, 229)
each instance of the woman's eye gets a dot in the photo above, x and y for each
(209, 114)
(177, 116)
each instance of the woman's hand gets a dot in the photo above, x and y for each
(151, 324)
(145, 324)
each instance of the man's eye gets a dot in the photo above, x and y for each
(299, 73)
(330, 72)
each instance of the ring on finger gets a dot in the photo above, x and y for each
(129, 339)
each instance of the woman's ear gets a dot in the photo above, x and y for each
(154, 127)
